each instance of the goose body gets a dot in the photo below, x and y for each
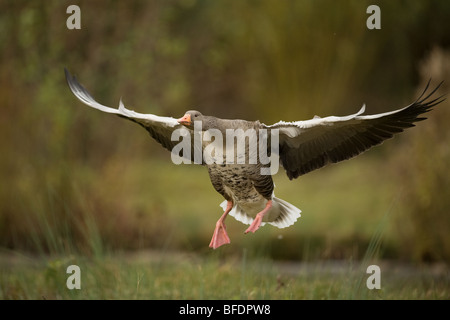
(302, 146)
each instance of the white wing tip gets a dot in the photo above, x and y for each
(124, 110)
(121, 105)
(362, 110)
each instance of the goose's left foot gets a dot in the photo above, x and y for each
(258, 219)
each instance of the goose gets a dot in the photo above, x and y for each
(245, 178)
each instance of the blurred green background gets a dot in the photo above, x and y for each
(76, 181)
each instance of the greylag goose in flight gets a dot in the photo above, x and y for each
(241, 167)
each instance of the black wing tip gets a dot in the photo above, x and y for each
(421, 100)
(425, 102)
(67, 73)
(71, 79)
(74, 85)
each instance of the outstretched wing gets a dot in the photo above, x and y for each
(160, 128)
(308, 145)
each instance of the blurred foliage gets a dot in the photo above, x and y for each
(63, 165)
(423, 166)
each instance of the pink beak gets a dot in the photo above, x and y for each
(186, 119)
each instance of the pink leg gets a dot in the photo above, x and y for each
(258, 219)
(220, 236)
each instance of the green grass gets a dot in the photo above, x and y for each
(155, 275)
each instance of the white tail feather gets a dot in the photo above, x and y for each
(286, 214)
